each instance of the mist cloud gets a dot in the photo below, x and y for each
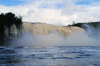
(56, 39)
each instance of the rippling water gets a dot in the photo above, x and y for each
(49, 56)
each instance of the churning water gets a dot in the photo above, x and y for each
(49, 56)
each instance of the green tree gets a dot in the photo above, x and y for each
(9, 17)
(18, 21)
(6, 21)
(2, 28)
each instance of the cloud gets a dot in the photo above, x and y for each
(59, 12)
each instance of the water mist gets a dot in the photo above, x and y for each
(56, 38)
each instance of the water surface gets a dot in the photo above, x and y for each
(49, 56)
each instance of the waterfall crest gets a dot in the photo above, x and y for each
(45, 29)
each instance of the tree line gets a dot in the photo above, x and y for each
(95, 25)
(6, 21)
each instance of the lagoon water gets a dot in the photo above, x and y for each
(49, 56)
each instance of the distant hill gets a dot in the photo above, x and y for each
(82, 25)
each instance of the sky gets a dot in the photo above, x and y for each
(57, 12)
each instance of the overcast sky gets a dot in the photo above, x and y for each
(58, 12)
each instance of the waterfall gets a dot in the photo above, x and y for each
(42, 35)
(45, 29)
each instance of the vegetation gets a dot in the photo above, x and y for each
(6, 21)
(91, 24)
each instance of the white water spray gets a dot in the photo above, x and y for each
(43, 35)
